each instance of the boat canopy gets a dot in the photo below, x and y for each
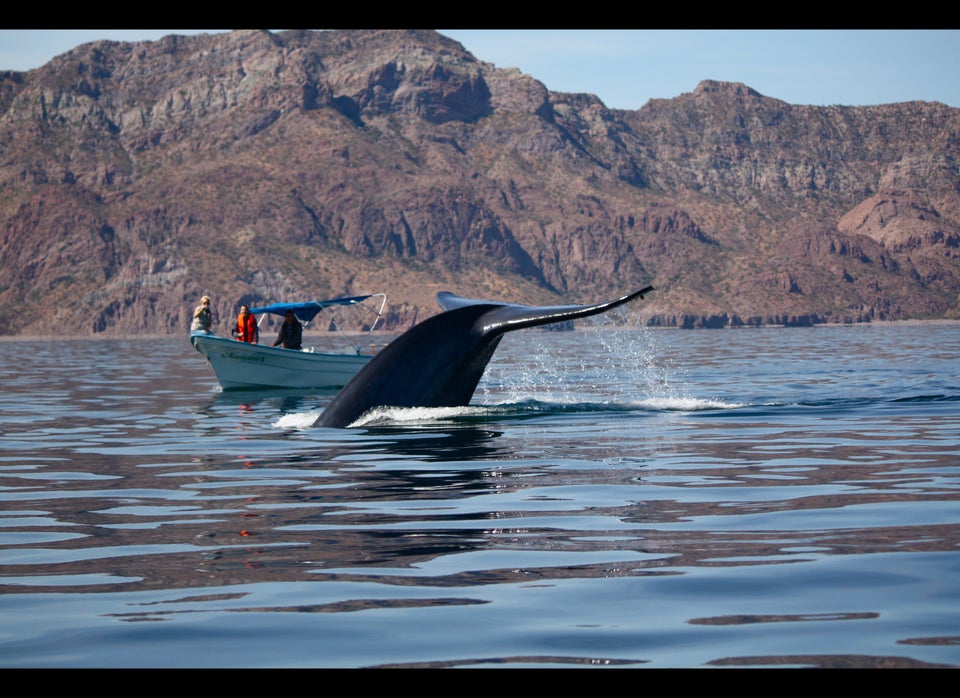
(307, 310)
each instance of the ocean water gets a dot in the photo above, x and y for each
(613, 497)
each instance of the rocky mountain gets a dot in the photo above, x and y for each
(257, 167)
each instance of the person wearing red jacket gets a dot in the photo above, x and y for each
(246, 329)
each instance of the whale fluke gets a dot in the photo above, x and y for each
(439, 362)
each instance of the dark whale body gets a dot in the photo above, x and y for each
(438, 362)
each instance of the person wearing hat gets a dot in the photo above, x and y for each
(202, 317)
(291, 332)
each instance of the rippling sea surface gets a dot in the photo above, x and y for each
(777, 497)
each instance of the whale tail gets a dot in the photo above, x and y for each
(439, 362)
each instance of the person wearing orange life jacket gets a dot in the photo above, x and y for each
(246, 329)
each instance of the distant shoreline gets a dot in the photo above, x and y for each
(382, 335)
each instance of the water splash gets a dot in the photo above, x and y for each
(689, 404)
(601, 363)
(415, 415)
(297, 420)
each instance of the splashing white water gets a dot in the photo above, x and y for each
(600, 364)
(688, 404)
(297, 420)
(415, 415)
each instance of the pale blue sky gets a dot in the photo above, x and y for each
(625, 68)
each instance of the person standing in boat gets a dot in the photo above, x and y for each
(291, 332)
(246, 329)
(202, 317)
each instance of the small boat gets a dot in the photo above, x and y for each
(245, 366)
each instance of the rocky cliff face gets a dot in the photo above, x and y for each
(258, 167)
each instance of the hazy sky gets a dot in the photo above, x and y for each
(625, 68)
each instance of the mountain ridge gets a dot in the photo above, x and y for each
(256, 167)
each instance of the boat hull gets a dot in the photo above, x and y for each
(243, 366)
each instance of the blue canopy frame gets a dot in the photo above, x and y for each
(307, 310)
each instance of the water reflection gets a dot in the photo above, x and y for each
(599, 530)
(367, 509)
(277, 401)
(461, 444)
